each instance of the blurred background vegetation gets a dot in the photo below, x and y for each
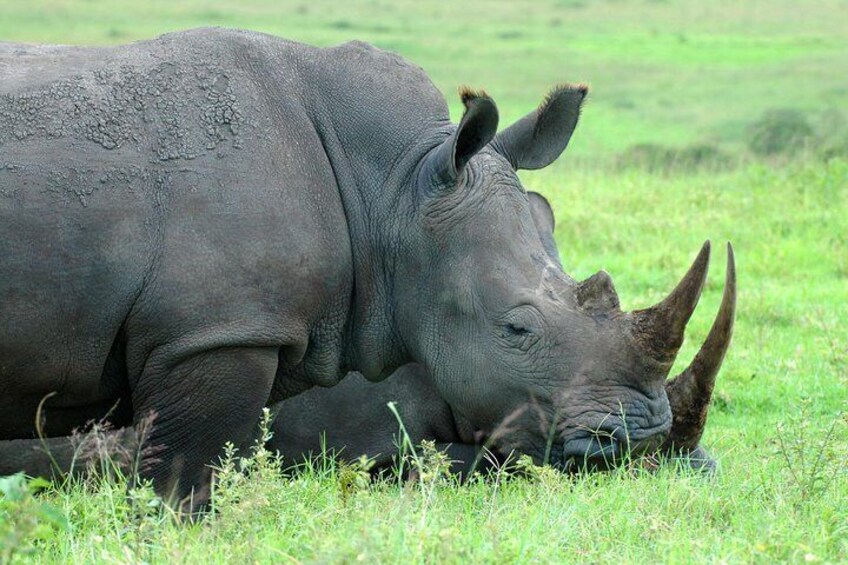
(680, 82)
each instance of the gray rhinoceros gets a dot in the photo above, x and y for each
(352, 419)
(204, 224)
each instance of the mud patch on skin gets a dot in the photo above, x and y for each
(82, 185)
(171, 111)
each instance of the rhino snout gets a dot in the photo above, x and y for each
(602, 450)
(596, 452)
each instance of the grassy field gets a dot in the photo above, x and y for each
(674, 74)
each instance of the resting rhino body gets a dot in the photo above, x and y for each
(207, 223)
(347, 421)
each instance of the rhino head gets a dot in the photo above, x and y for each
(547, 365)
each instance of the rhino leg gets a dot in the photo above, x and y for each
(199, 404)
(30, 456)
(466, 459)
(462, 457)
(69, 455)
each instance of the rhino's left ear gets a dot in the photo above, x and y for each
(476, 129)
(543, 217)
(537, 139)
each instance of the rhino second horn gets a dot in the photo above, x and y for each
(597, 293)
(689, 392)
(660, 329)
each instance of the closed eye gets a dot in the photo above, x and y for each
(516, 330)
(521, 328)
(519, 336)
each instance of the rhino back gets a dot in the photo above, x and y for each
(170, 191)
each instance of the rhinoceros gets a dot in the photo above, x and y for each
(352, 419)
(204, 224)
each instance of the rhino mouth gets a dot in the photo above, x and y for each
(594, 453)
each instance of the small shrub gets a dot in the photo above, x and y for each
(541, 474)
(654, 157)
(812, 460)
(434, 465)
(235, 487)
(648, 156)
(834, 149)
(701, 155)
(102, 452)
(832, 125)
(24, 518)
(354, 477)
(779, 132)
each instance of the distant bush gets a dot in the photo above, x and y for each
(658, 158)
(835, 148)
(702, 155)
(779, 132)
(833, 132)
(778, 136)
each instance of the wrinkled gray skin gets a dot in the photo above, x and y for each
(204, 224)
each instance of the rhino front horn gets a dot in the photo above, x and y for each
(660, 329)
(689, 392)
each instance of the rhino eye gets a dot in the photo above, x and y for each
(521, 327)
(516, 330)
(519, 336)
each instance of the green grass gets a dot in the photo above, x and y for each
(669, 72)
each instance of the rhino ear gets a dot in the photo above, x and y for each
(543, 217)
(537, 139)
(476, 129)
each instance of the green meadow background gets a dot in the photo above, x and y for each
(707, 120)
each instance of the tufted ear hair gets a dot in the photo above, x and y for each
(543, 217)
(476, 129)
(597, 294)
(537, 139)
